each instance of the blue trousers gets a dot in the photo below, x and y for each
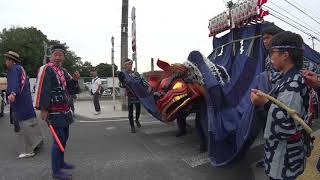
(57, 156)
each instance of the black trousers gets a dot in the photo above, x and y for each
(96, 102)
(130, 109)
(57, 156)
(201, 131)
(181, 122)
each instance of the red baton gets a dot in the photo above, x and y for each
(56, 137)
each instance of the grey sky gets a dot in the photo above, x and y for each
(166, 29)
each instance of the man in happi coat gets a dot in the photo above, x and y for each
(132, 98)
(313, 81)
(53, 91)
(19, 96)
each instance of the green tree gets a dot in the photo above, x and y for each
(85, 69)
(105, 70)
(28, 43)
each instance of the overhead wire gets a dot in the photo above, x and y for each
(290, 14)
(302, 11)
(292, 25)
(309, 12)
(269, 8)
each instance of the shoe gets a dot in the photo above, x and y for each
(318, 165)
(67, 166)
(26, 155)
(138, 124)
(97, 112)
(260, 164)
(133, 130)
(62, 175)
(181, 133)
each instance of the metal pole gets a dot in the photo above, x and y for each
(124, 46)
(112, 61)
(45, 49)
(134, 39)
(152, 64)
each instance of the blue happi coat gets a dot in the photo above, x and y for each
(22, 106)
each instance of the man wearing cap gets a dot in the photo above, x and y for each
(53, 90)
(19, 96)
(95, 90)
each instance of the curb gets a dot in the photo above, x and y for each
(81, 117)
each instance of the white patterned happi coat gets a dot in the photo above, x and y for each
(285, 156)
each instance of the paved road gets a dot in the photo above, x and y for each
(106, 150)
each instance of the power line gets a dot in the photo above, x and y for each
(292, 20)
(292, 25)
(302, 11)
(317, 16)
(283, 9)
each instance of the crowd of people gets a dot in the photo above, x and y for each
(285, 147)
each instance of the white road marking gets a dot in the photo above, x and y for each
(160, 129)
(169, 141)
(110, 128)
(118, 120)
(197, 160)
(107, 120)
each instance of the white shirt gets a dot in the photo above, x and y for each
(95, 84)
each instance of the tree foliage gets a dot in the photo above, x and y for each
(85, 69)
(105, 69)
(28, 42)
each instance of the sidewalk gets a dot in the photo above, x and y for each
(86, 96)
(109, 110)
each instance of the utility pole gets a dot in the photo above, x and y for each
(112, 61)
(45, 49)
(124, 46)
(134, 38)
(152, 64)
(312, 39)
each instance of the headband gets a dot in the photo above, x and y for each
(286, 47)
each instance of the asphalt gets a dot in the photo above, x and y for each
(103, 148)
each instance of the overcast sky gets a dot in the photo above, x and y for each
(166, 29)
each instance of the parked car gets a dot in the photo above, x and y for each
(3, 88)
(87, 85)
(107, 92)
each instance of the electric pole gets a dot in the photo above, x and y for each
(133, 42)
(312, 39)
(124, 46)
(45, 49)
(152, 64)
(112, 61)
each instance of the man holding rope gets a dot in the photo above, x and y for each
(313, 81)
(53, 90)
(285, 154)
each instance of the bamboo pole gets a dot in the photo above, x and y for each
(290, 111)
